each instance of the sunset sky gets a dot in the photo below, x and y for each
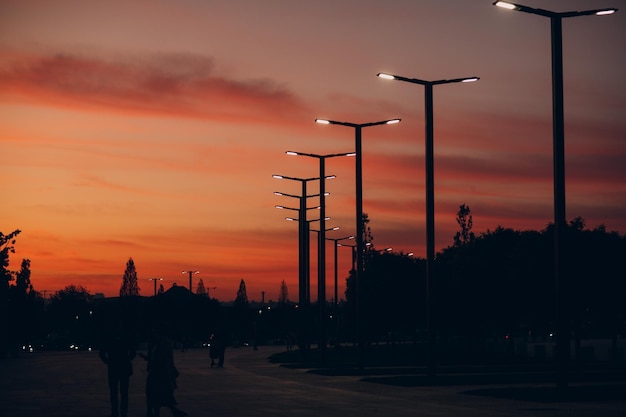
(151, 129)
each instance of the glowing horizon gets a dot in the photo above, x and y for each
(158, 140)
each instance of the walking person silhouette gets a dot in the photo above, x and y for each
(162, 374)
(117, 352)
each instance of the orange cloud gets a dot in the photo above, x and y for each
(182, 85)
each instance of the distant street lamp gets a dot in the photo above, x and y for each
(155, 282)
(307, 254)
(190, 274)
(336, 245)
(336, 302)
(358, 127)
(321, 285)
(430, 201)
(558, 144)
(208, 294)
(302, 234)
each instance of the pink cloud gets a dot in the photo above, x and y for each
(167, 84)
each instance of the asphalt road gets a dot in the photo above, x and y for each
(68, 384)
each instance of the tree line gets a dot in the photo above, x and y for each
(498, 283)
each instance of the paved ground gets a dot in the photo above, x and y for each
(68, 384)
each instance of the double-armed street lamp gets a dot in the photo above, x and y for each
(558, 145)
(155, 282)
(336, 245)
(302, 246)
(191, 273)
(430, 199)
(360, 245)
(321, 285)
(307, 256)
(302, 234)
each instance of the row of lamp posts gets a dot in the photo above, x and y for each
(563, 340)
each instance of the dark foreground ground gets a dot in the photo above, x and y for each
(67, 384)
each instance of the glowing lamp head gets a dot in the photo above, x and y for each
(386, 76)
(506, 5)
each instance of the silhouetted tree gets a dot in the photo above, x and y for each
(22, 278)
(465, 221)
(6, 247)
(201, 290)
(25, 308)
(242, 297)
(241, 318)
(129, 281)
(283, 295)
(69, 313)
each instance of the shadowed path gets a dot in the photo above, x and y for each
(68, 384)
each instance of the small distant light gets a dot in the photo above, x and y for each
(386, 76)
(322, 121)
(351, 154)
(291, 153)
(605, 12)
(393, 122)
(280, 177)
(470, 80)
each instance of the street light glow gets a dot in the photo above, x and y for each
(506, 5)
(393, 121)
(322, 121)
(386, 76)
(470, 80)
(605, 12)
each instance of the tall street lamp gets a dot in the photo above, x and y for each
(321, 242)
(307, 249)
(302, 235)
(430, 200)
(190, 275)
(321, 280)
(155, 282)
(304, 307)
(558, 149)
(360, 245)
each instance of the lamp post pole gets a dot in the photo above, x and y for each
(302, 232)
(190, 279)
(430, 203)
(558, 154)
(155, 282)
(321, 279)
(336, 244)
(353, 252)
(360, 243)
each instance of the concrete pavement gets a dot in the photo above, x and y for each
(68, 384)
